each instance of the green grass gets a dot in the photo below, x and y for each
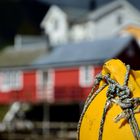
(3, 111)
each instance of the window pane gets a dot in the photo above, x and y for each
(10, 81)
(86, 76)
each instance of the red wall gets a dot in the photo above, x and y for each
(66, 77)
(27, 93)
(66, 89)
(67, 86)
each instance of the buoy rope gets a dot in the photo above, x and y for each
(117, 94)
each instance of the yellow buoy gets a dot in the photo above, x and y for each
(112, 111)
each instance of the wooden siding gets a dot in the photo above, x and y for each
(26, 94)
(67, 86)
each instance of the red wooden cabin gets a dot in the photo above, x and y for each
(17, 84)
(72, 68)
(65, 75)
(67, 84)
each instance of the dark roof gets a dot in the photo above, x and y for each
(11, 57)
(109, 8)
(75, 14)
(84, 4)
(85, 52)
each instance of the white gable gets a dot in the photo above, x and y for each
(105, 21)
(111, 23)
(55, 25)
(53, 12)
(112, 17)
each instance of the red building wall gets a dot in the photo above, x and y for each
(67, 86)
(26, 93)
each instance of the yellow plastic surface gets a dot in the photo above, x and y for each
(90, 124)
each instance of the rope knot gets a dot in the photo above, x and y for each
(98, 79)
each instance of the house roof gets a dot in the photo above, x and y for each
(85, 52)
(111, 7)
(75, 14)
(84, 4)
(30, 41)
(12, 57)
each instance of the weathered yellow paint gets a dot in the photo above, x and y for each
(133, 30)
(89, 128)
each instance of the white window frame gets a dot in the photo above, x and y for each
(46, 90)
(11, 80)
(86, 76)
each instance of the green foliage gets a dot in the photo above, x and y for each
(3, 111)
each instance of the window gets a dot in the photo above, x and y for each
(56, 24)
(119, 19)
(10, 81)
(86, 76)
(45, 84)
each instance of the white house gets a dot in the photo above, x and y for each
(55, 25)
(82, 31)
(110, 18)
(58, 25)
(64, 25)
